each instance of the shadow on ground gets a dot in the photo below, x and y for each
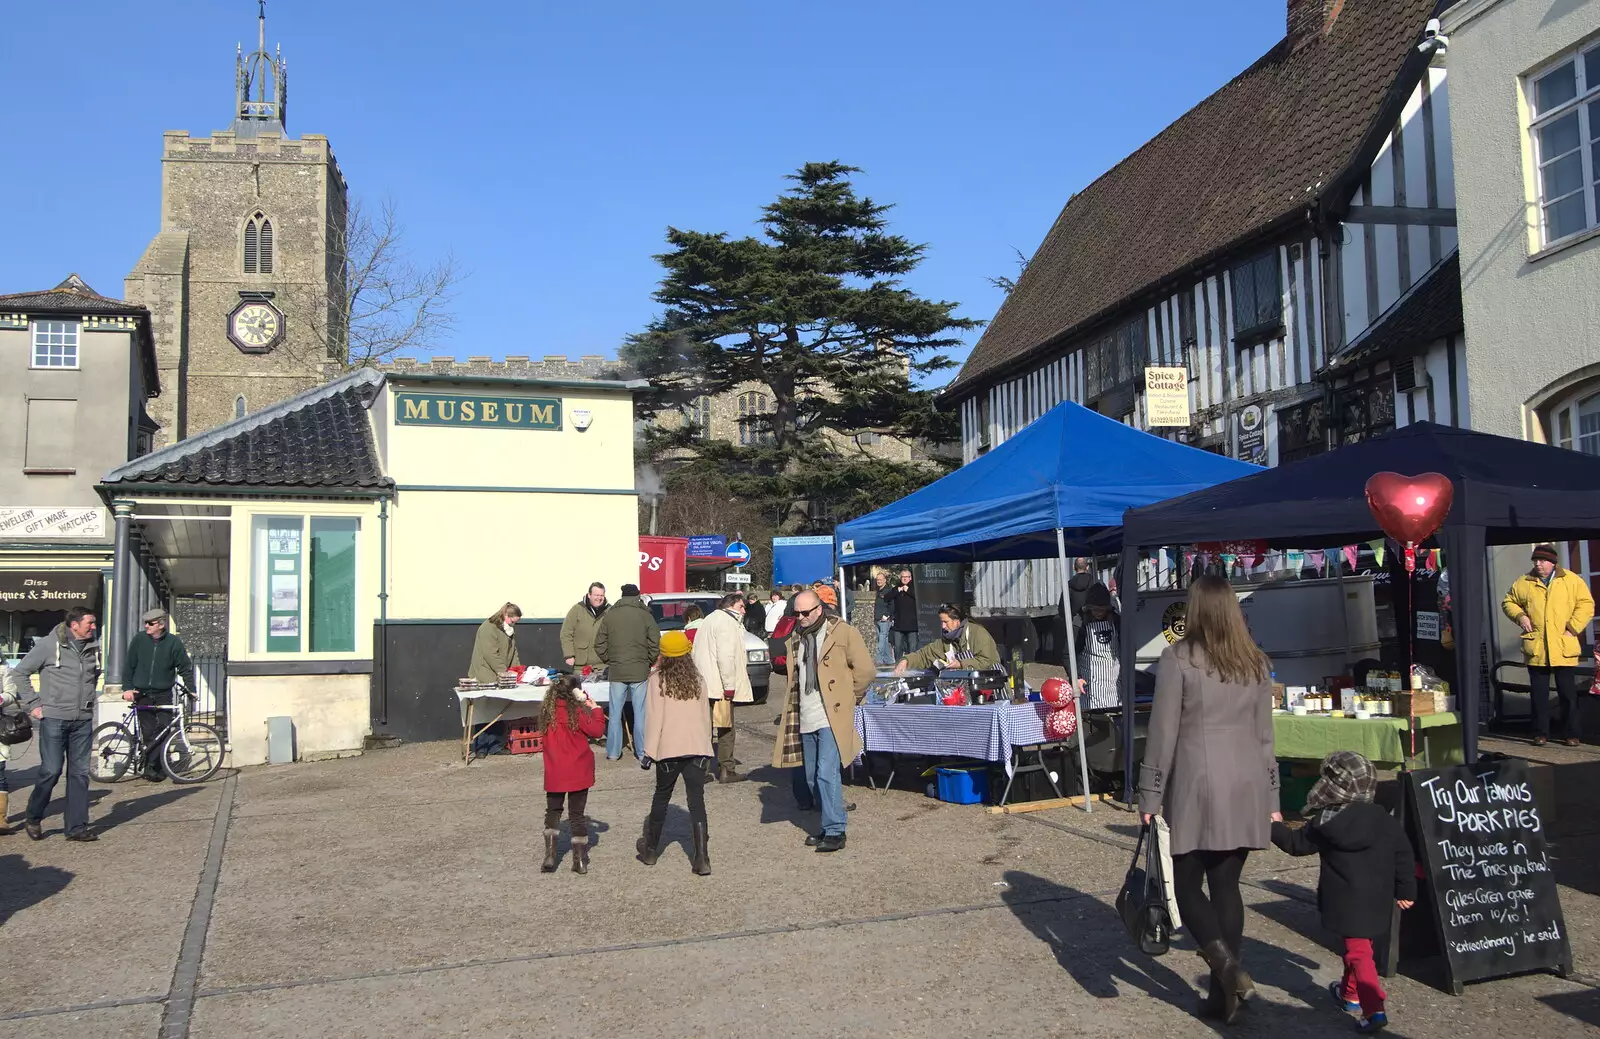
(1088, 940)
(23, 885)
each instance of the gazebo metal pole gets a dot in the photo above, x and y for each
(1072, 666)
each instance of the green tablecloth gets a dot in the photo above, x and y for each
(1384, 741)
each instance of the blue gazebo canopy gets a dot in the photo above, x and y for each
(1071, 470)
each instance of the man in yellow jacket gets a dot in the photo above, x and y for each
(1553, 607)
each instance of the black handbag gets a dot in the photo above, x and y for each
(15, 727)
(1142, 903)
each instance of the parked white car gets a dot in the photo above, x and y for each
(669, 608)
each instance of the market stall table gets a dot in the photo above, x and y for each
(1000, 732)
(1384, 741)
(509, 704)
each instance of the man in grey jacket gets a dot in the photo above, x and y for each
(67, 662)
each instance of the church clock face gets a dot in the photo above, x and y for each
(255, 326)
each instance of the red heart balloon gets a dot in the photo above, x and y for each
(1410, 508)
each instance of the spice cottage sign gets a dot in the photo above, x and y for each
(454, 409)
(51, 521)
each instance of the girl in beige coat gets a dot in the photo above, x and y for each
(677, 743)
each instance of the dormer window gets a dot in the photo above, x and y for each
(258, 245)
(55, 344)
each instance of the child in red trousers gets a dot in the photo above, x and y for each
(569, 719)
(1367, 869)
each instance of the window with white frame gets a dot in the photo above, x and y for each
(1577, 424)
(1564, 101)
(55, 344)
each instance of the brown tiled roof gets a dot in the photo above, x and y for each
(1256, 153)
(1429, 311)
(72, 296)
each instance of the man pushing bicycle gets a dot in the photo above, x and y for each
(156, 659)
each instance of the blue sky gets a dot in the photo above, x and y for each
(548, 145)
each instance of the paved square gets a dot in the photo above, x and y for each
(398, 894)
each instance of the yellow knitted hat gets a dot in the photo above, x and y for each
(674, 644)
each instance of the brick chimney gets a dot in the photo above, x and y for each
(1309, 19)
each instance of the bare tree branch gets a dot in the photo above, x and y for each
(380, 302)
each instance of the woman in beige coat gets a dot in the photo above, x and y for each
(1209, 768)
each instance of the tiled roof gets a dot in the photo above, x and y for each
(551, 366)
(1430, 311)
(72, 296)
(320, 439)
(1255, 154)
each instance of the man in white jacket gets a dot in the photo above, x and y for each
(719, 656)
(777, 606)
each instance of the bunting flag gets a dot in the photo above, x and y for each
(1317, 559)
(1435, 559)
(1350, 555)
(1378, 548)
(1228, 559)
(1297, 560)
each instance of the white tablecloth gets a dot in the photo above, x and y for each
(523, 701)
(983, 731)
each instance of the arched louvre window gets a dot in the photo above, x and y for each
(753, 429)
(258, 245)
(238, 406)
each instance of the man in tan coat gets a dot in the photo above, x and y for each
(719, 656)
(830, 669)
(1553, 607)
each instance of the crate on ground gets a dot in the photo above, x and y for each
(962, 786)
(524, 737)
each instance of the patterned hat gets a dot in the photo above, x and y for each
(674, 644)
(1347, 777)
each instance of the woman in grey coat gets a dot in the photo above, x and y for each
(1209, 769)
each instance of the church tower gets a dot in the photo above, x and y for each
(244, 279)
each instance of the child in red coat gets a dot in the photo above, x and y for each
(569, 719)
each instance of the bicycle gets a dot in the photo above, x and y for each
(191, 751)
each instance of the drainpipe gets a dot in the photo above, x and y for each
(121, 577)
(383, 611)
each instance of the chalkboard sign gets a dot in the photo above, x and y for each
(1489, 876)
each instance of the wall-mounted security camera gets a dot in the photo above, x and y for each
(1434, 42)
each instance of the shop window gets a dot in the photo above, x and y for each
(52, 436)
(1301, 431)
(1366, 411)
(1565, 133)
(303, 588)
(1257, 298)
(55, 344)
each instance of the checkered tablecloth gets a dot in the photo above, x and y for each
(984, 731)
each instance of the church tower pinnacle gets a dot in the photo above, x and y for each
(261, 91)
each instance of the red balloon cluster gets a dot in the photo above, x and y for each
(1056, 691)
(1410, 508)
(1062, 720)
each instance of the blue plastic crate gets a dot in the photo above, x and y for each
(963, 786)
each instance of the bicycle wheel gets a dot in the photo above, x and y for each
(113, 753)
(193, 753)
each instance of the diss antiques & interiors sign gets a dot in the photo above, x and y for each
(449, 409)
(51, 521)
(48, 589)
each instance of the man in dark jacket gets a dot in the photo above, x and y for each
(883, 616)
(156, 659)
(903, 628)
(628, 642)
(67, 662)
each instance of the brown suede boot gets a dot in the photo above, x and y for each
(550, 856)
(580, 854)
(5, 804)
